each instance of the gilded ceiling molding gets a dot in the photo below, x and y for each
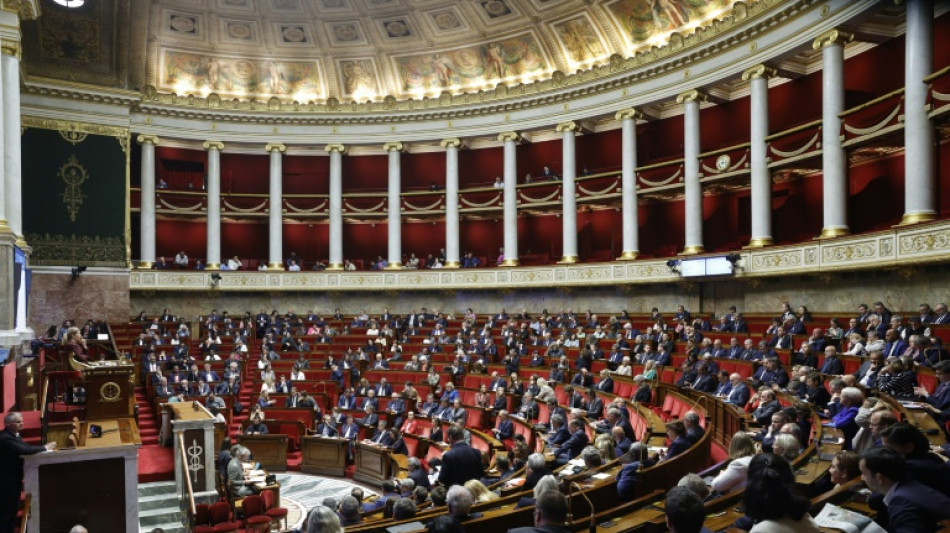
(73, 126)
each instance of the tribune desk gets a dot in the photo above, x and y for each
(269, 450)
(373, 463)
(324, 455)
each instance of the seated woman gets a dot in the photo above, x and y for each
(786, 446)
(844, 467)
(896, 380)
(770, 499)
(649, 370)
(479, 491)
(76, 345)
(735, 476)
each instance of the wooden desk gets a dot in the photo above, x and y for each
(372, 463)
(114, 433)
(324, 455)
(268, 450)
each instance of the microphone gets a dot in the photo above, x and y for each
(593, 524)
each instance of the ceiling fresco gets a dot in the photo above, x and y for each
(349, 50)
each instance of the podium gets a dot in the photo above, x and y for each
(269, 450)
(96, 486)
(192, 431)
(109, 390)
(324, 455)
(373, 464)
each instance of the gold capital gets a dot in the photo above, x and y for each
(509, 136)
(394, 146)
(569, 125)
(832, 37)
(454, 142)
(335, 148)
(11, 47)
(629, 112)
(692, 95)
(142, 139)
(275, 146)
(217, 145)
(758, 71)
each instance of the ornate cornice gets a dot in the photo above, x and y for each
(208, 145)
(73, 126)
(901, 246)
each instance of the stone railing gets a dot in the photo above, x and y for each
(903, 245)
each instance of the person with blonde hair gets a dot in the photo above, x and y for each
(545, 484)
(786, 446)
(606, 446)
(735, 475)
(479, 491)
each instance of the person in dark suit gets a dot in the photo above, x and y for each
(398, 444)
(326, 428)
(621, 442)
(724, 386)
(550, 513)
(501, 401)
(768, 405)
(572, 447)
(739, 395)
(12, 448)
(371, 419)
(704, 381)
(694, 431)
(417, 473)
(644, 394)
(381, 436)
(461, 462)
(347, 400)
(595, 406)
(559, 433)
(606, 383)
(832, 365)
(505, 429)
(772, 373)
(911, 506)
(938, 403)
(679, 443)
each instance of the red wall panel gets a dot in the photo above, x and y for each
(245, 173)
(421, 170)
(533, 157)
(876, 198)
(724, 124)
(365, 172)
(247, 240)
(479, 167)
(309, 240)
(172, 236)
(600, 152)
(306, 174)
(481, 237)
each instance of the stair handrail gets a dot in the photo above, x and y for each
(27, 504)
(190, 494)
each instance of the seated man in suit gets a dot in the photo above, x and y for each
(397, 408)
(694, 430)
(938, 403)
(595, 406)
(911, 506)
(739, 394)
(572, 447)
(704, 381)
(326, 428)
(621, 442)
(772, 373)
(558, 433)
(504, 430)
(371, 418)
(381, 436)
(679, 443)
(768, 405)
(550, 513)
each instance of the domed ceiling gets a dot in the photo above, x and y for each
(313, 50)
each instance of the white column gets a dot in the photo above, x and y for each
(213, 259)
(919, 176)
(275, 226)
(628, 183)
(11, 139)
(336, 205)
(568, 192)
(833, 157)
(4, 225)
(451, 202)
(147, 211)
(511, 140)
(760, 177)
(395, 150)
(693, 189)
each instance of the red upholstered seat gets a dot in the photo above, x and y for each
(254, 515)
(203, 519)
(220, 518)
(271, 509)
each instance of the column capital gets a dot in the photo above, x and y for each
(142, 139)
(217, 145)
(758, 71)
(453, 142)
(513, 136)
(280, 147)
(692, 95)
(394, 146)
(569, 125)
(25, 9)
(629, 112)
(331, 148)
(11, 47)
(832, 37)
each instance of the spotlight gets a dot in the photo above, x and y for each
(733, 258)
(76, 271)
(672, 264)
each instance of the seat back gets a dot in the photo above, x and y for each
(219, 512)
(269, 500)
(253, 506)
(202, 514)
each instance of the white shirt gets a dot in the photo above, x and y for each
(234, 265)
(293, 268)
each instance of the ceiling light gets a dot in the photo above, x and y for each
(71, 4)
